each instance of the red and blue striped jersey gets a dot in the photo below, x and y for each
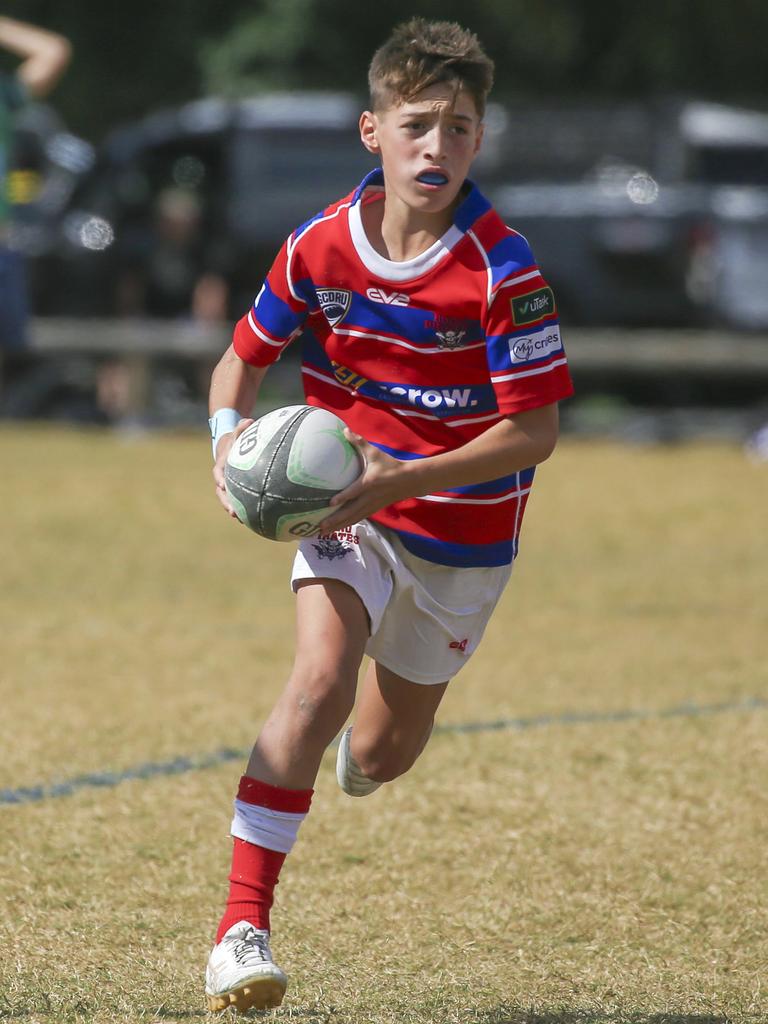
(420, 356)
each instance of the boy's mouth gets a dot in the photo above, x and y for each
(432, 178)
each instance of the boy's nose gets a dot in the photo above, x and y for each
(435, 149)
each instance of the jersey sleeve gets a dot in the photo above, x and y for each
(526, 358)
(278, 313)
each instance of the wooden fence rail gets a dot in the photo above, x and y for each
(602, 349)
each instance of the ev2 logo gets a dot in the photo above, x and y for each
(388, 298)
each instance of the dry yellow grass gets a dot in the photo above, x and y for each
(574, 873)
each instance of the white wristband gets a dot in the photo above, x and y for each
(222, 422)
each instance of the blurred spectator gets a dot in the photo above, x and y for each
(171, 269)
(44, 56)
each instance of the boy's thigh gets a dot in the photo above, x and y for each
(331, 628)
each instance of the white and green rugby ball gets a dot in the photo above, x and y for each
(282, 472)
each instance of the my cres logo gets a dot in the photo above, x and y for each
(527, 309)
(534, 346)
(388, 298)
(335, 303)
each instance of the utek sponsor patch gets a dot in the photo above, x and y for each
(526, 309)
(536, 345)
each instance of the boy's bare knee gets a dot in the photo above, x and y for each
(322, 696)
(383, 756)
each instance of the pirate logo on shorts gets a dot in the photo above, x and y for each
(331, 548)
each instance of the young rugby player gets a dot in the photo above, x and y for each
(428, 328)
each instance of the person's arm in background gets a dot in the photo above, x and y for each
(44, 54)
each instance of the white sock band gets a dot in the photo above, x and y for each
(274, 830)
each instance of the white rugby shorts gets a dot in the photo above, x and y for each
(426, 619)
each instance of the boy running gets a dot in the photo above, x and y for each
(429, 329)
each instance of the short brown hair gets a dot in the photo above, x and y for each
(420, 53)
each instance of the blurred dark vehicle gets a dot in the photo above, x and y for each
(643, 214)
(245, 172)
(249, 172)
(640, 214)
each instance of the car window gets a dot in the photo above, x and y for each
(281, 177)
(730, 165)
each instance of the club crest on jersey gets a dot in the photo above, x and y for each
(335, 303)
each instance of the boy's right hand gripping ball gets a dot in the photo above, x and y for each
(282, 472)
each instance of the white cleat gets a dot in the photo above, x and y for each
(241, 972)
(348, 773)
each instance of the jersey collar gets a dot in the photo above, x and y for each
(473, 205)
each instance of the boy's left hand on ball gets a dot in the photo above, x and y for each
(380, 484)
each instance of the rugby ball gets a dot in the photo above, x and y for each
(282, 472)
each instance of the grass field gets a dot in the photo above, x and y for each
(608, 869)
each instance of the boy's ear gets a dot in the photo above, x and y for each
(368, 132)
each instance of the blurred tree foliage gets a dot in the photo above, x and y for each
(132, 58)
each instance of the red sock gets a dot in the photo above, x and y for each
(255, 868)
(251, 886)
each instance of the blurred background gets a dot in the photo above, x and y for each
(151, 188)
